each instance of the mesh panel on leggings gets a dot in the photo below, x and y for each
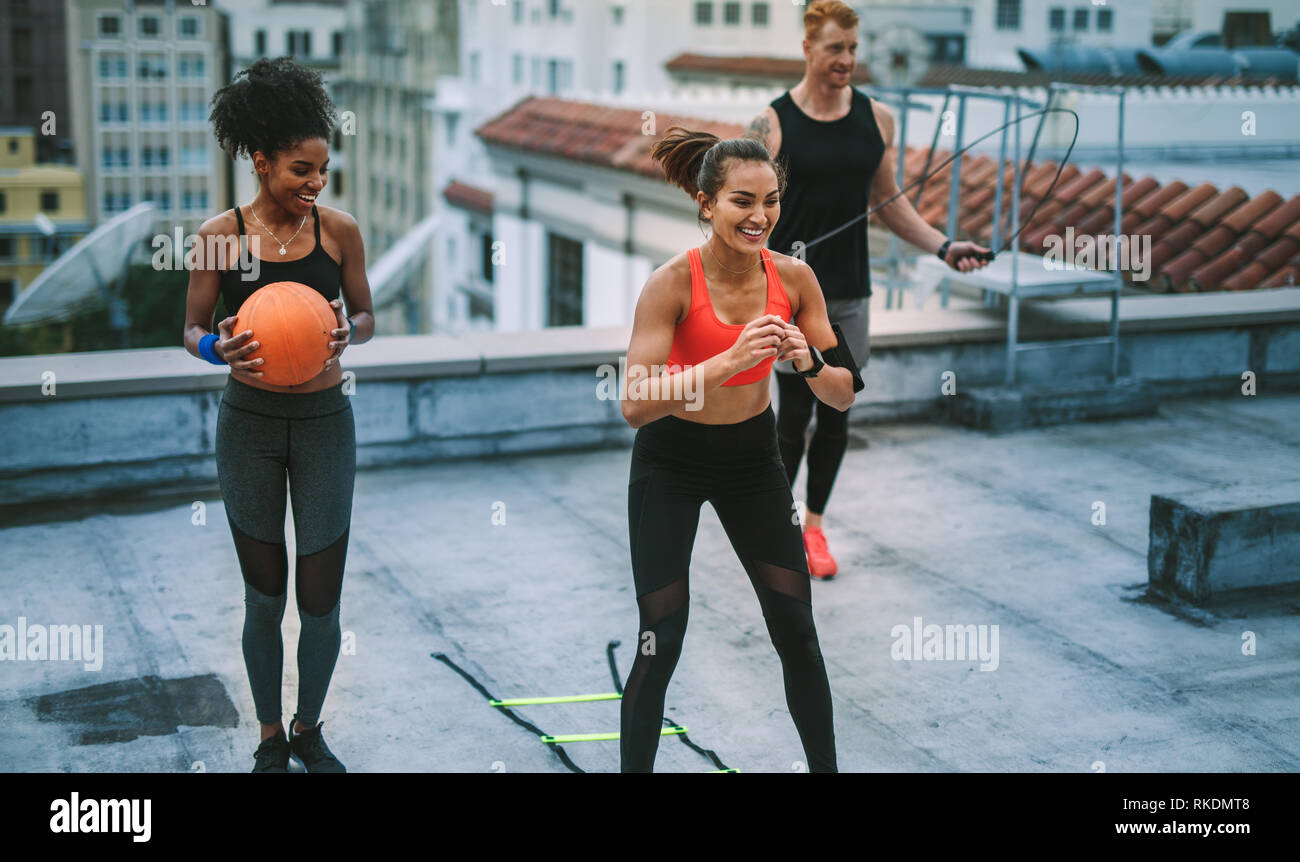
(790, 582)
(265, 564)
(663, 614)
(318, 578)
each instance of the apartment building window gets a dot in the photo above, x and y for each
(731, 13)
(1081, 19)
(152, 66)
(113, 112)
(20, 43)
(161, 157)
(188, 27)
(4, 202)
(517, 12)
(110, 26)
(6, 248)
(112, 66)
(1105, 20)
(1008, 15)
(1056, 19)
(517, 69)
(13, 145)
(619, 72)
(488, 272)
(49, 201)
(473, 67)
(758, 15)
(191, 65)
(336, 43)
(553, 76)
(553, 8)
(259, 43)
(564, 281)
(298, 43)
(947, 48)
(150, 27)
(617, 12)
(704, 13)
(536, 71)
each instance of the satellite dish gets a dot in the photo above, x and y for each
(83, 271)
(43, 224)
(898, 56)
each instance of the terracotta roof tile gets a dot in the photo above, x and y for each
(1213, 210)
(1287, 276)
(468, 197)
(1265, 263)
(1155, 201)
(1279, 219)
(1177, 209)
(1174, 242)
(1254, 210)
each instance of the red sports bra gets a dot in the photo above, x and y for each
(701, 335)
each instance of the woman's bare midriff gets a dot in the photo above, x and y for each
(727, 405)
(331, 377)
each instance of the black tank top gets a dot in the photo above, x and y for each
(829, 168)
(317, 270)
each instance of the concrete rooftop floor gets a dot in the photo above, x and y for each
(928, 520)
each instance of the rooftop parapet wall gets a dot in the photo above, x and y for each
(134, 422)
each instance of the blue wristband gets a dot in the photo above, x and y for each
(205, 349)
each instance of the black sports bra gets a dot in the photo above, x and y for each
(317, 270)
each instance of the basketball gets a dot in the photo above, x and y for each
(292, 324)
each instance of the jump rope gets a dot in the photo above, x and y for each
(921, 180)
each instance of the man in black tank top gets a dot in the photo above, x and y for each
(837, 148)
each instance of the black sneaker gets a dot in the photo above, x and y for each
(272, 755)
(310, 750)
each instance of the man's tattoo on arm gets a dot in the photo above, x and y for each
(759, 128)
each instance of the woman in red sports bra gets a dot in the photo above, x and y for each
(709, 324)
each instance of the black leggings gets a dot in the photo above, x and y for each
(676, 466)
(830, 439)
(309, 438)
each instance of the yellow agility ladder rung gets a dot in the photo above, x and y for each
(564, 698)
(600, 737)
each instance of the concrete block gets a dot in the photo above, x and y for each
(1003, 408)
(1232, 537)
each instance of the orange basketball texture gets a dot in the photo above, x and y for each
(291, 323)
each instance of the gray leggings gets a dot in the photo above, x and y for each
(310, 438)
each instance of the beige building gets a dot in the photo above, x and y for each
(141, 74)
(397, 49)
(29, 190)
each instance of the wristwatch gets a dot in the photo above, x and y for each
(817, 366)
(943, 250)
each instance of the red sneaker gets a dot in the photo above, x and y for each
(820, 562)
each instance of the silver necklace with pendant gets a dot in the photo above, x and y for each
(284, 247)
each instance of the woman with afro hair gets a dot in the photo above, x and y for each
(277, 114)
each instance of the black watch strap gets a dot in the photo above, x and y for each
(818, 363)
(943, 250)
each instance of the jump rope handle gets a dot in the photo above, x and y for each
(982, 255)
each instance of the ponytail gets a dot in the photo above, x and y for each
(696, 161)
